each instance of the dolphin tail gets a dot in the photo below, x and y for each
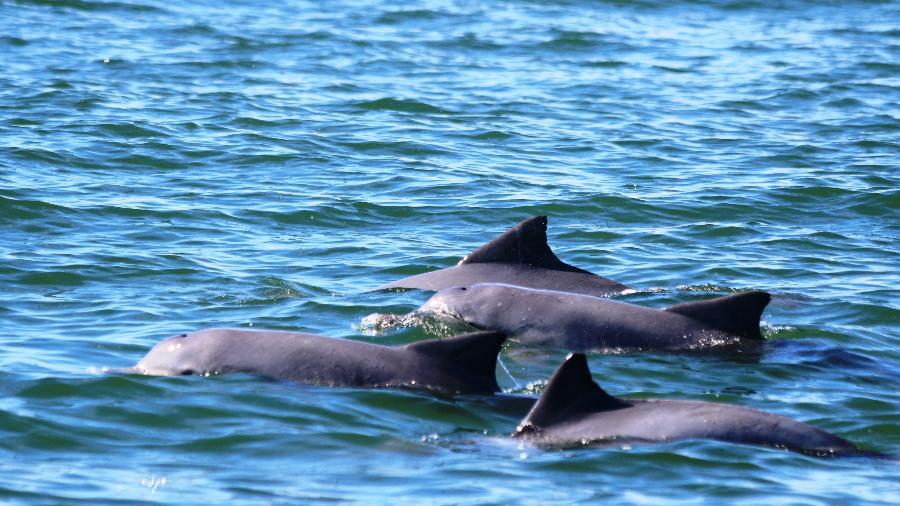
(475, 352)
(569, 393)
(736, 314)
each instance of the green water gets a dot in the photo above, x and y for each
(168, 167)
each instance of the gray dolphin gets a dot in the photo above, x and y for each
(520, 256)
(574, 410)
(581, 322)
(462, 364)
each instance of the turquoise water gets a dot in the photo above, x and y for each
(168, 166)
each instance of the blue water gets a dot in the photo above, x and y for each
(167, 166)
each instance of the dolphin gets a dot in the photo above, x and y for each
(520, 256)
(574, 410)
(464, 364)
(582, 322)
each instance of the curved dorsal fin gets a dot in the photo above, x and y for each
(525, 243)
(571, 392)
(474, 354)
(736, 314)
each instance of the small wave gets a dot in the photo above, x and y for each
(401, 105)
(378, 323)
(404, 148)
(86, 5)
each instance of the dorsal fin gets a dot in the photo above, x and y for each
(736, 314)
(569, 393)
(525, 243)
(475, 353)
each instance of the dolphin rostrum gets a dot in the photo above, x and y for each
(520, 256)
(574, 410)
(461, 364)
(581, 322)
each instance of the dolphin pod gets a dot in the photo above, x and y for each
(462, 364)
(516, 286)
(574, 410)
(520, 256)
(582, 322)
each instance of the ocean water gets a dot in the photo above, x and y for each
(168, 166)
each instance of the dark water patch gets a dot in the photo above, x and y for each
(13, 209)
(235, 63)
(742, 105)
(249, 121)
(39, 155)
(86, 104)
(284, 40)
(215, 445)
(869, 144)
(868, 314)
(467, 41)
(889, 69)
(37, 496)
(24, 122)
(359, 440)
(791, 96)
(401, 16)
(877, 204)
(59, 278)
(811, 194)
(844, 103)
(871, 405)
(13, 41)
(261, 159)
(60, 84)
(168, 215)
(611, 64)
(673, 69)
(638, 143)
(395, 148)
(128, 130)
(571, 40)
(721, 231)
(145, 160)
(879, 123)
(422, 407)
(95, 6)
(844, 359)
(492, 135)
(52, 441)
(401, 105)
(194, 28)
(340, 215)
(200, 154)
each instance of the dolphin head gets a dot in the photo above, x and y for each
(172, 356)
(477, 305)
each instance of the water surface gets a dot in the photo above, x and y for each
(167, 167)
